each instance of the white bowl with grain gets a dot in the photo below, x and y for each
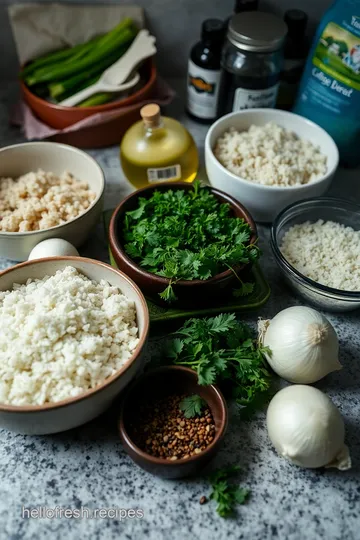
(63, 414)
(264, 202)
(21, 159)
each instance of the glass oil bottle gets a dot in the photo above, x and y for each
(158, 149)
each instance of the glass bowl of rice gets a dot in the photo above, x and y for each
(316, 244)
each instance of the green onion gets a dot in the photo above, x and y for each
(56, 89)
(124, 35)
(67, 55)
(97, 99)
(76, 89)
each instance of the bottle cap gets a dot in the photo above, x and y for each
(296, 21)
(151, 115)
(246, 5)
(213, 30)
(257, 31)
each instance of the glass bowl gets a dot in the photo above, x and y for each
(328, 209)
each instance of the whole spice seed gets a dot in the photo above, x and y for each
(160, 429)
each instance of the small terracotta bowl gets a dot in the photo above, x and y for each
(177, 380)
(189, 293)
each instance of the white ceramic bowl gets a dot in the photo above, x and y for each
(265, 202)
(72, 412)
(53, 157)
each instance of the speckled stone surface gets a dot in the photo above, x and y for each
(88, 467)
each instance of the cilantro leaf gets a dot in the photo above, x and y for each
(168, 294)
(192, 406)
(222, 323)
(227, 495)
(244, 290)
(174, 348)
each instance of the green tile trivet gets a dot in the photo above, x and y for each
(254, 300)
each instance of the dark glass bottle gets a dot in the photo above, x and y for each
(204, 72)
(251, 62)
(295, 54)
(246, 5)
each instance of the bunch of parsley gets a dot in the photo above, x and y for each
(187, 235)
(221, 349)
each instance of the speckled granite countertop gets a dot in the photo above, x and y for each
(88, 467)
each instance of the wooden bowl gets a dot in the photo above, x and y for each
(60, 117)
(189, 293)
(177, 380)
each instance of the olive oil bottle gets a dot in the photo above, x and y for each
(158, 149)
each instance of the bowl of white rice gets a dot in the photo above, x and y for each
(268, 159)
(47, 190)
(73, 331)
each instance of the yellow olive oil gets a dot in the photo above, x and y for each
(158, 149)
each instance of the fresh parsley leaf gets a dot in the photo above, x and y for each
(225, 494)
(244, 290)
(222, 350)
(168, 294)
(222, 323)
(192, 406)
(174, 348)
(206, 374)
(186, 235)
(224, 473)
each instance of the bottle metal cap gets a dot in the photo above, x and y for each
(256, 31)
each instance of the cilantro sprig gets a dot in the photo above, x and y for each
(221, 349)
(187, 235)
(227, 495)
(192, 406)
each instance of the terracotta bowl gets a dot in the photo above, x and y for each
(177, 380)
(189, 293)
(60, 117)
(72, 412)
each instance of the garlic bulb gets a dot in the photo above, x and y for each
(304, 345)
(307, 429)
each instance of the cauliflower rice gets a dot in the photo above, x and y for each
(41, 200)
(326, 252)
(62, 335)
(270, 155)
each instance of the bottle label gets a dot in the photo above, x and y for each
(202, 91)
(164, 174)
(250, 99)
(334, 81)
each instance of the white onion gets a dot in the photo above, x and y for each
(307, 429)
(304, 345)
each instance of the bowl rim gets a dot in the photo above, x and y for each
(166, 462)
(283, 262)
(276, 112)
(126, 102)
(66, 147)
(120, 252)
(107, 382)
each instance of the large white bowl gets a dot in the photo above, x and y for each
(53, 157)
(265, 202)
(72, 412)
